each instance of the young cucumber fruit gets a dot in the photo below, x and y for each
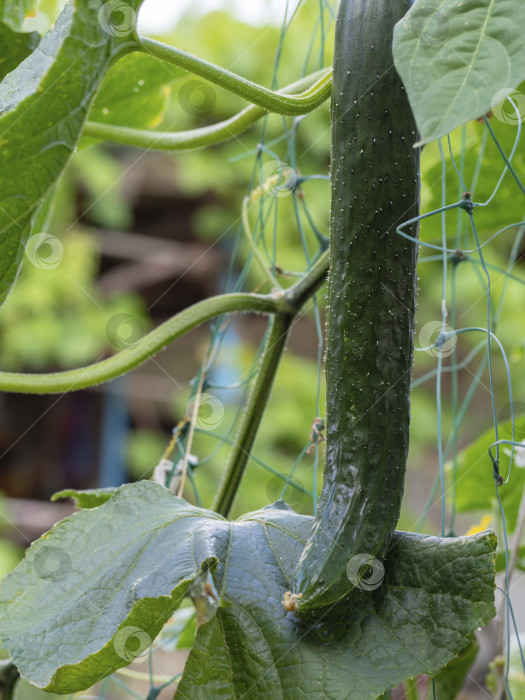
(371, 297)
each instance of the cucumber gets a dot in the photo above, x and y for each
(371, 306)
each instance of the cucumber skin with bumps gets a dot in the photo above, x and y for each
(371, 303)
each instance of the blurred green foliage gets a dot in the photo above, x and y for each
(10, 554)
(55, 318)
(49, 321)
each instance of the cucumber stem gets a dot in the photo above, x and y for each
(269, 100)
(196, 138)
(278, 330)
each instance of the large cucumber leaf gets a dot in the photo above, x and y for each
(458, 58)
(92, 594)
(43, 105)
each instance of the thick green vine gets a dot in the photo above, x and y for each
(270, 100)
(207, 135)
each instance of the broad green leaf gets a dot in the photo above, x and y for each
(449, 681)
(15, 47)
(43, 105)
(87, 498)
(395, 633)
(92, 594)
(135, 92)
(475, 480)
(14, 12)
(458, 59)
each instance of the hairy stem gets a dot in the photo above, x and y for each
(279, 328)
(286, 302)
(269, 100)
(196, 138)
(146, 347)
(299, 294)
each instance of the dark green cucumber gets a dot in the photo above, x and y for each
(372, 290)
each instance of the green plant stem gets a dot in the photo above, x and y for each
(157, 339)
(279, 328)
(282, 306)
(195, 138)
(149, 345)
(269, 100)
(301, 291)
